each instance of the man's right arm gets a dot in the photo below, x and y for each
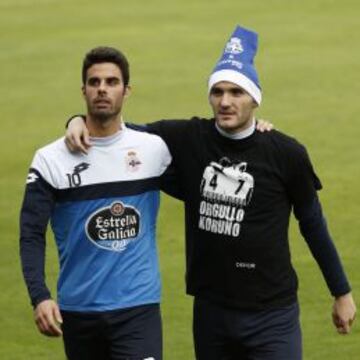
(77, 139)
(35, 213)
(77, 135)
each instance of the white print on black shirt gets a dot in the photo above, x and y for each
(226, 188)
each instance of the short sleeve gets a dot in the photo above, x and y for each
(164, 156)
(303, 182)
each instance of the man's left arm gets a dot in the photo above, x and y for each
(77, 137)
(313, 227)
(169, 183)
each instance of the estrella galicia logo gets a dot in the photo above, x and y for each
(74, 178)
(113, 227)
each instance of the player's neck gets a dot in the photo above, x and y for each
(241, 134)
(101, 128)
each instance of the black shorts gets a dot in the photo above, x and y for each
(125, 334)
(231, 334)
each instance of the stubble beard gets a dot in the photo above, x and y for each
(103, 116)
(235, 125)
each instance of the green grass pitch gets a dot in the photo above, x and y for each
(309, 68)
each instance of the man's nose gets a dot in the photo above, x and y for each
(102, 86)
(225, 100)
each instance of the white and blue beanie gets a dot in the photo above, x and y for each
(236, 64)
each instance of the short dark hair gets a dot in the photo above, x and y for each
(102, 54)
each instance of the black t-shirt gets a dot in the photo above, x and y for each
(238, 197)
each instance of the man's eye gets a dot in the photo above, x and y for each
(93, 82)
(216, 92)
(113, 81)
(238, 92)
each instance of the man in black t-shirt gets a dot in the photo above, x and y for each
(239, 187)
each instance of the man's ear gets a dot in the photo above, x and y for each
(83, 90)
(127, 91)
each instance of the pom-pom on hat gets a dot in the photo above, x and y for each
(237, 63)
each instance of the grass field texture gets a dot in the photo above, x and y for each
(309, 68)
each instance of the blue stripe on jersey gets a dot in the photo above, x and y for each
(107, 251)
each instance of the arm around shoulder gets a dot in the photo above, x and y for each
(77, 135)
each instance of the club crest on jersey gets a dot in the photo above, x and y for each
(132, 161)
(113, 227)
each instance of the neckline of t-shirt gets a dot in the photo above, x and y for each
(241, 135)
(245, 142)
(108, 140)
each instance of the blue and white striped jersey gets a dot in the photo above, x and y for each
(103, 208)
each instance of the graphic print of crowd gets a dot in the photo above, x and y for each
(226, 189)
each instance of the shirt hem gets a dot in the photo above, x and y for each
(103, 308)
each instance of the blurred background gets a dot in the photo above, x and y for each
(309, 67)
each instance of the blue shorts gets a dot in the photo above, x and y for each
(125, 334)
(231, 334)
